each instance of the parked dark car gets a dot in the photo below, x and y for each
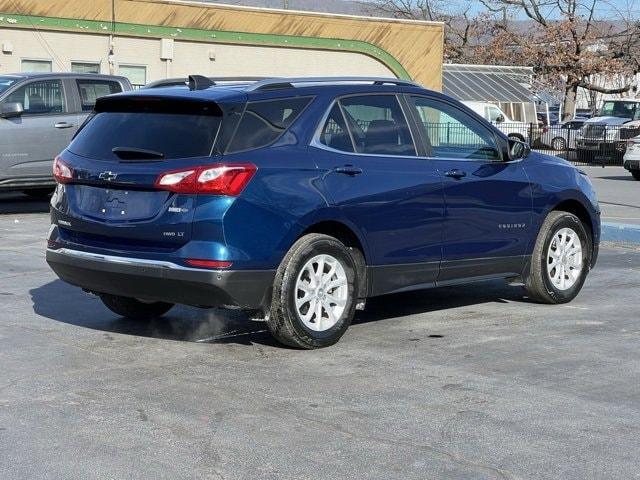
(301, 198)
(39, 114)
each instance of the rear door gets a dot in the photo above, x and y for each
(29, 143)
(487, 223)
(382, 185)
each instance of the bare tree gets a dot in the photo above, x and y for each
(408, 9)
(567, 39)
(462, 29)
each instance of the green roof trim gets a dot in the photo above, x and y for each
(216, 36)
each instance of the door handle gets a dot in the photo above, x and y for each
(63, 125)
(348, 170)
(455, 173)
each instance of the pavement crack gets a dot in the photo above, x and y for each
(449, 456)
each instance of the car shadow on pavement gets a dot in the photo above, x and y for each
(16, 203)
(436, 299)
(67, 304)
(620, 177)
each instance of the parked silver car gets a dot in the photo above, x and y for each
(562, 137)
(39, 114)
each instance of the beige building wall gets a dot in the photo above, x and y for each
(63, 48)
(247, 40)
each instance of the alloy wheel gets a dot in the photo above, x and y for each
(564, 259)
(322, 292)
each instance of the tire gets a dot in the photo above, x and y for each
(558, 144)
(636, 174)
(539, 284)
(39, 193)
(134, 309)
(285, 320)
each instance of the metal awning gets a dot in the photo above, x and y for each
(485, 83)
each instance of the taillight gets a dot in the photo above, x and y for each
(211, 179)
(631, 142)
(62, 172)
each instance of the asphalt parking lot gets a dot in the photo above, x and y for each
(618, 192)
(468, 382)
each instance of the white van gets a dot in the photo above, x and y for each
(492, 113)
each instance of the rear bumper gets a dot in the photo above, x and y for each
(23, 183)
(632, 164)
(162, 281)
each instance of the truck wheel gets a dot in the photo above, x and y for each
(560, 261)
(314, 289)
(133, 308)
(636, 174)
(559, 143)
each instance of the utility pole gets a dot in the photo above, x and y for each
(111, 56)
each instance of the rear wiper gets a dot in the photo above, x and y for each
(133, 154)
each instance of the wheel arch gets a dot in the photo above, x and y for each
(351, 240)
(578, 209)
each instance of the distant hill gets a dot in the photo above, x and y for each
(329, 6)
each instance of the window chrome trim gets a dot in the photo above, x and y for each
(315, 141)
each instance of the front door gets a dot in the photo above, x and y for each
(487, 224)
(384, 188)
(29, 143)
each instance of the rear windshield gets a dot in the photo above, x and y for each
(170, 135)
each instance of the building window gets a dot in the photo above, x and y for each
(137, 74)
(85, 67)
(36, 65)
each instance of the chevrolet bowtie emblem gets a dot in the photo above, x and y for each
(108, 176)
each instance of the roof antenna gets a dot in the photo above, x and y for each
(199, 82)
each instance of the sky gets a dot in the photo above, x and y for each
(607, 8)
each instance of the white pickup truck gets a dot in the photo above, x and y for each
(606, 134)
(511, 128)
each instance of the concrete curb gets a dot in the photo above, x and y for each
(620, 232)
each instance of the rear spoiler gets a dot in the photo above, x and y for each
(135, 103)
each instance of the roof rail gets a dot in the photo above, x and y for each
(275, 83)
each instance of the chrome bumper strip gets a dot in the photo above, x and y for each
(134, 262)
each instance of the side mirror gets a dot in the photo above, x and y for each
(11, 109)
(518, 150)
(500, 119)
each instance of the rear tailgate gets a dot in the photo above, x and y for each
(117, 157)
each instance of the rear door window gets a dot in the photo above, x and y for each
(90, 90)
(378, 125)
(40, 97)
(263, 122)
(149, 131)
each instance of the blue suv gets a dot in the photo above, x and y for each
(301, 198)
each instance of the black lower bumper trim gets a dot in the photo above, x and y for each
(248, 289)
